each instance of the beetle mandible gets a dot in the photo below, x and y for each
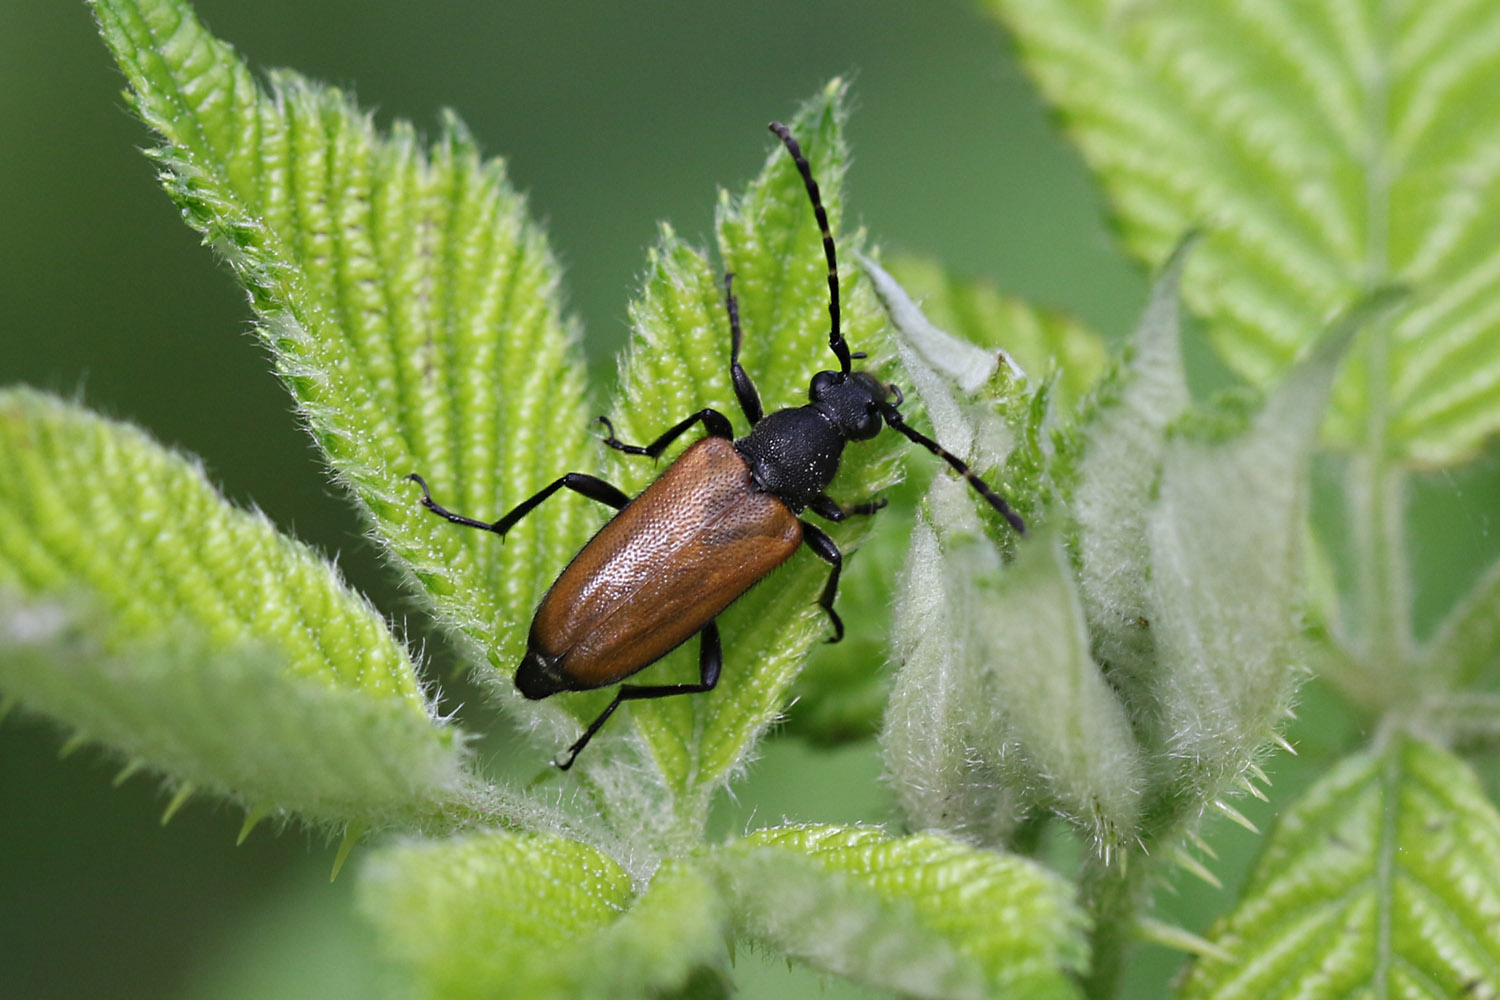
(716, 522)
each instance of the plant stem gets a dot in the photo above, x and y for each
(1377, 486)
(1376, 494)
(1112, 896)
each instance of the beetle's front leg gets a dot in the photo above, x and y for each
(714, 422)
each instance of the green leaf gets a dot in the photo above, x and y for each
(1330, 149)
(1466, 648)
(1381, 881)
(407, 302)
(1224, 587)
(1039, 340)
(678, 363)
(999, 706)
(955, 381)
(148, 614)
(1123, 438)
(538, 916)
(998, 690)
(923, 916)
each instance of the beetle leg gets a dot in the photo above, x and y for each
(825, 549)
(744, 388)
(710, 662)
(714, 422)
(579, 482)
(830, 509)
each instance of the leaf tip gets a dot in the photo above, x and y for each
(179, 799)
(1180, 939)
(252, 819)
(1230, 812)
(127, 772)
(352, 833)
(72, 744)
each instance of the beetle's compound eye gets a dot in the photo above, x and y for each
(822, 383)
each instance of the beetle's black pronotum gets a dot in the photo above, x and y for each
(718, 520)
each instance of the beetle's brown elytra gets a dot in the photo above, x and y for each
(715, 523)
(695, 540)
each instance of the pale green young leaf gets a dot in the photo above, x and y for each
(975, 735)
(1224, 534)
(1026, 702)
(1037, 339)
(678, 363)
(1380, 881)
(948, 377)
(407, 302)
(1327, 149)
(1122, 437)
(148, 614)
(1466, 648)
(539, 916)
(922, 916)
(926, 730)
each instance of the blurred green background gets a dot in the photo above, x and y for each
(611, 116)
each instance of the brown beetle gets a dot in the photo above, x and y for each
(716, 522)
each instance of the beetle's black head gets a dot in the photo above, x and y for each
(851, 400)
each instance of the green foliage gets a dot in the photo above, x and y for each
(1326, 153)
(407, 302)
(533, 915)
(1110, 678)
(145, 613)
(1329, 149)
(922, 916)
(1381, 880)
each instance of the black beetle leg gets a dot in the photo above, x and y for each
(826, 550)
(714, 422)
(744, 388)
(828, 508)
(579, 482)
(710, 662)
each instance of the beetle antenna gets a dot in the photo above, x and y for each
(894, 419)
(836, 342)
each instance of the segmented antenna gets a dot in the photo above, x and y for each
(836, 341)
(893, 419)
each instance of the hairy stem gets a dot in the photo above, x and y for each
(1112, 895)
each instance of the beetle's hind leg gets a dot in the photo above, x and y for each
(714, 422)
(579, 482)
(710, 662)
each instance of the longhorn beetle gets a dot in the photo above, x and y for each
(717, 521)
